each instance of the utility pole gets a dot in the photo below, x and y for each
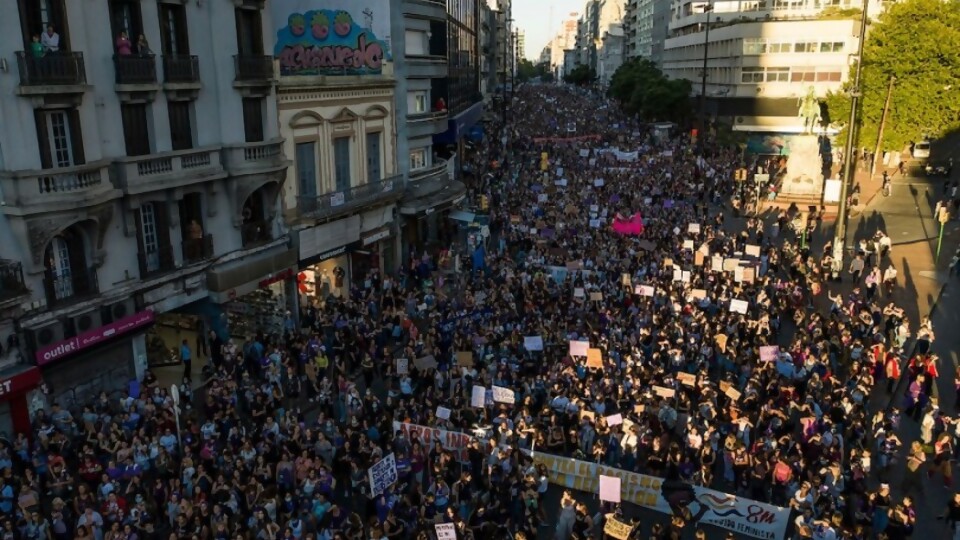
(703, 80)
(883, 122)
(840, 230)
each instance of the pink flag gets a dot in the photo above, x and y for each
(632, 226)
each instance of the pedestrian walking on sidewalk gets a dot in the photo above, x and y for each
(856, 268)
(889, 280)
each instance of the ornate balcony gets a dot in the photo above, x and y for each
(197, 249)
(155, 172)
(181, 69)
(133, 69)
(29, 192)
(427, 67)
(69, 286)
(63, 69)
(350, 200)
(253, 74)
(427, 124)
(253, 158)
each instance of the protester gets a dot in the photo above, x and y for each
(712, 356)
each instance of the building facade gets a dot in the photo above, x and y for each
(760, 61)
(141, 173)
(338, 118)
(435, 62)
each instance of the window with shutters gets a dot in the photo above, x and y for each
(181, 124)
(306, 162)
(373, 156)
(416, 42)
(253, 119)
(136, 132)
(173, 30)
(59, 138)
(249, 32)
(341, 162)
(125, 17)
(148, 235)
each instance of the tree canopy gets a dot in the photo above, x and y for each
(526, 70)
(581, 75)
(918, 42)
(645, 91)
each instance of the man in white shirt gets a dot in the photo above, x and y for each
(50, 40)
(889, 279)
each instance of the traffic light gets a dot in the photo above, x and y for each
(484, 202)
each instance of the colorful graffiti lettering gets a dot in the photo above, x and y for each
(328, 42)
(301, 60)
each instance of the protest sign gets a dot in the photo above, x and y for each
(452, 441)
(614, 420)
(578, 292)
(693, 228)
(503, 395)
(647, 245)
(382, 475)
(663, 391)
(403, 366)
(768, 353)
(609, 488)
(643, 290)
(616, 529)
(584, 152)
(716, 263)
(687, 379)
(698, 294)
(738, 274)
(598, 182)
(465, 358)
(752, 250)
(698, 258)
(596, 296)
(533, 343)
(478, 396)
(739, 306)
(730, 264)
(625, 279)
(688, 244)
(579, 348)
(594, 358)
(732, 393)
(445, 531)
(427, 362)
(721, 340)
(443, 413)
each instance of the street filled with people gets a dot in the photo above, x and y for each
(612, 353)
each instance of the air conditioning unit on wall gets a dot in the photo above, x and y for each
(49, 334)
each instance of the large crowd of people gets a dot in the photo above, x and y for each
(734, 357)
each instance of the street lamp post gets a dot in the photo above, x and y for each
(840, 231)
(703, 79)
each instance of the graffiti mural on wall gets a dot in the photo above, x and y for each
(331, 41)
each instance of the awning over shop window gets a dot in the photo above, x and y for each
(460, 215)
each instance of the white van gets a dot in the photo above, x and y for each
(921, 150)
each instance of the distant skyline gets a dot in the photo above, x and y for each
(539, 27)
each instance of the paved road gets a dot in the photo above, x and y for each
(906, 215)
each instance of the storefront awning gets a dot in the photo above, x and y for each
(461, 215)
(436, 201)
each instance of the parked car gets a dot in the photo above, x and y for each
(921, 150)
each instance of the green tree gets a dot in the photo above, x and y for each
(644, 90)
(544, 72)
(581, 75)
(526, 70)
(918, 42)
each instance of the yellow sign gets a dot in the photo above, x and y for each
(616, 528)
(585, 476)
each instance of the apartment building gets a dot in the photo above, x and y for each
(763, 57)
(140, 183)
(439, 100)
(645, 28)
(338, 118)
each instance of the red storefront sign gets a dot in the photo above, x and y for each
(88, 339)
(18, 383)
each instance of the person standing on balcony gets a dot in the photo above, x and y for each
(143, 46)
(124, 47)
(36, 48)
(185, 358)
(50, 40)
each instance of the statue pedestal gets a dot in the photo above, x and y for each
(804, 176)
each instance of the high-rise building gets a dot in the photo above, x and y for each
(142, 182)
(761, 58)
(645, 28)
(521, 44)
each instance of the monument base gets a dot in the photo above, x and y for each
(804, 176)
